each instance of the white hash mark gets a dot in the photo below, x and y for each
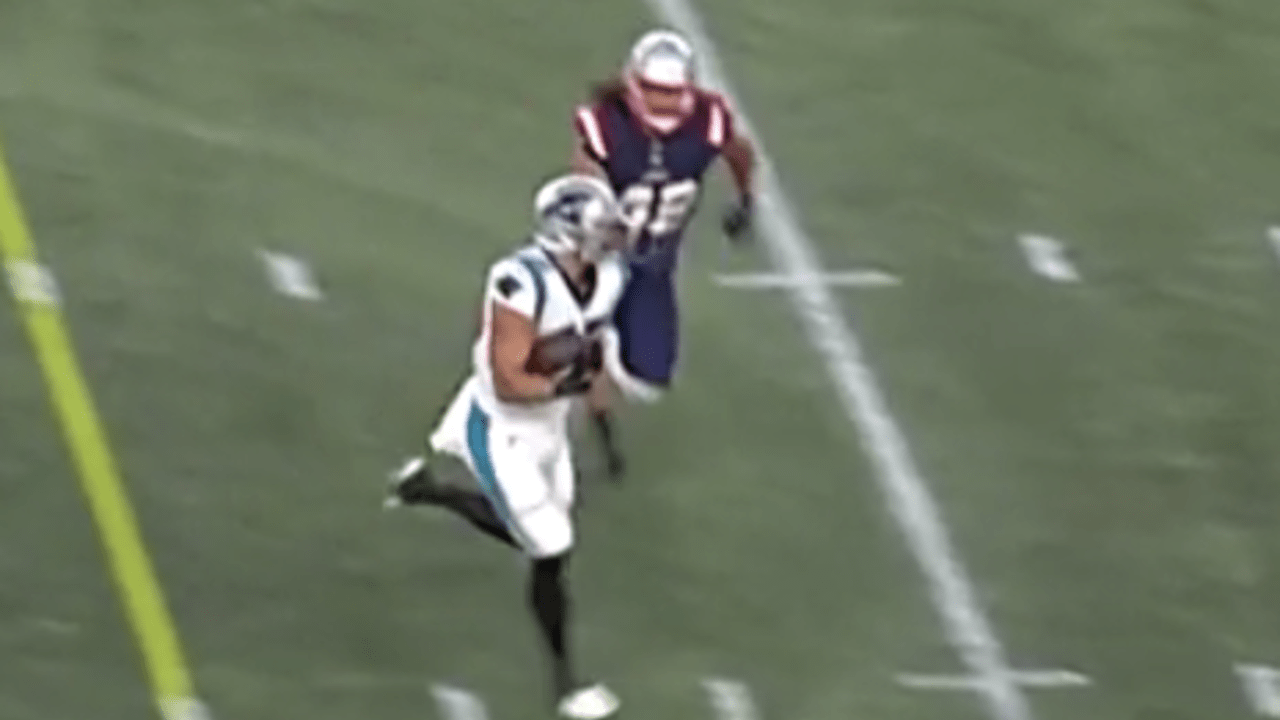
(458, 704)
(33, 283)
(290, 276)
(1262, 687)
(731, 699)
(1048, 258)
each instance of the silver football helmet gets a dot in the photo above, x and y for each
(579, 214)
(660, 79)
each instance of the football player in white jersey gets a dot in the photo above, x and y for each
(545, 307)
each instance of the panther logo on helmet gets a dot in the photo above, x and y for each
(578, 214)
(568, 207)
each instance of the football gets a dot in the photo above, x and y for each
(554, 353)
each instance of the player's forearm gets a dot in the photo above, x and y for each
(740, 156)
(517, 386)
(587, 165)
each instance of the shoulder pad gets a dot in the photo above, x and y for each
(720, 120)
(517, 280)
(586, 120)
(536, 267)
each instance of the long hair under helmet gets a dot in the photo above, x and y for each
(578, 213)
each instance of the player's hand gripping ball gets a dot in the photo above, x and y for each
(554, 354)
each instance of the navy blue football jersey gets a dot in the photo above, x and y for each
(657, 177)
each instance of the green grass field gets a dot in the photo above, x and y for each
(1106, 453)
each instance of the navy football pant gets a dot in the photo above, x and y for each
(647, 326)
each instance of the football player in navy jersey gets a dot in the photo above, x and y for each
(652, 133)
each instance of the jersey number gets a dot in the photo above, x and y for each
(658, 209)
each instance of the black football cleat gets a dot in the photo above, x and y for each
(412, 484)
(617, 464)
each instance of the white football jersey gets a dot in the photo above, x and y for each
(529, 282)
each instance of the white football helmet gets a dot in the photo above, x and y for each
(579, 214)
(660, 79)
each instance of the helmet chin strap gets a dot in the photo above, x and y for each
(663, 123)
(563, 252)
(572, 263)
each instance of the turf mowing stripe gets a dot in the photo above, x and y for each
(136, 583)
(910, 501)
(773, 280)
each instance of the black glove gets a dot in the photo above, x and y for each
(736, 220)
(594, 356)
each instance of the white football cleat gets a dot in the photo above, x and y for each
(590, 703)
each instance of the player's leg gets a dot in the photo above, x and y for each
(505, 468)
(641, 353)
(551, 527)
(599, 408)
(546, 533)
(549, 598)
(415, 484)
(522, 477)
(564, 477)
(533, 496)
(515, 471)
(600, 398)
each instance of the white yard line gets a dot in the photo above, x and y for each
(1025, 678)
(907, 493)
(774, 280)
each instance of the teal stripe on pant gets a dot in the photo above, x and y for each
(478, 445)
